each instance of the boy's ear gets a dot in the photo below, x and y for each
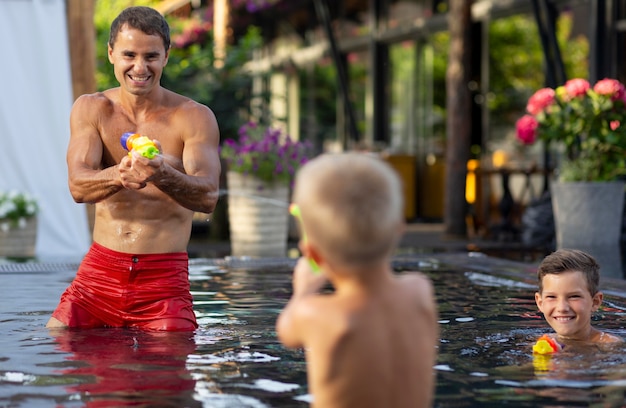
(538, 300)
(309, 251)
(596, 301)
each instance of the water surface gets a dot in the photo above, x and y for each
(488, 323)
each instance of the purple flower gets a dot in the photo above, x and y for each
(266, 152)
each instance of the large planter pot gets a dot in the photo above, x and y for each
(19, 242)
(588, 213)
(258, 216)
(588, 216)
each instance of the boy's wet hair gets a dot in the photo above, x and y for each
(146, 19)
(565, 260)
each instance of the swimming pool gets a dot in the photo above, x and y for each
(488, 322)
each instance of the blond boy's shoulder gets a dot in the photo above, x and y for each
(417, 281)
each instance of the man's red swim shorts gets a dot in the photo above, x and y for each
(115, 289)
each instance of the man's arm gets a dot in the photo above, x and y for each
(88, 182)
(197, 187)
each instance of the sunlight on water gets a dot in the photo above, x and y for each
(488, 322)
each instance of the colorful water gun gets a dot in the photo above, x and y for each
(141, 144)
(294, 210)
(546, 345)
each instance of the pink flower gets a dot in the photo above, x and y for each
(527, 129)
(540, 101)
(576, 87)
(585, 123)
(610, 87)
(614, 124)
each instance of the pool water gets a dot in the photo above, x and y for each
(488, 323)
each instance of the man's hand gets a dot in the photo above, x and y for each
(137, 171)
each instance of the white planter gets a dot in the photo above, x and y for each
(588, 216)
(258, 216)
(19, 242)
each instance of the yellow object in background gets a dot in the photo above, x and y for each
(406, 167)
(470, 181)
(499, 159)
(431, 197)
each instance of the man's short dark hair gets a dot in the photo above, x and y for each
(141, 18)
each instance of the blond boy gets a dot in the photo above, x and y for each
(568, 294)
(370, 342)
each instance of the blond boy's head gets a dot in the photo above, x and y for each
(568, 260)
(352, 207)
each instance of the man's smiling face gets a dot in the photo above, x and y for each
(138, 60)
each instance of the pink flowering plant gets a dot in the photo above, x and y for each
(266, 153)
(588, 123)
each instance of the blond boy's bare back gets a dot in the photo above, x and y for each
(369, 344)
(372, 341)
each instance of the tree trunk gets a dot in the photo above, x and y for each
(82, 44)
(458, 124)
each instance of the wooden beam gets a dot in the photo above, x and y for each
(172, 6)
(82, 44)
(221, 16)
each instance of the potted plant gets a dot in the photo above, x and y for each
(260, 167)
(18, 224)
(586, 127)
(589, 124)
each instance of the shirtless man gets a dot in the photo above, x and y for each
(372, 341)
(136, 272)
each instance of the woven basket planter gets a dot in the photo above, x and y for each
(258, 216)
(19, 242)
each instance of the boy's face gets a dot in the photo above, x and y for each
(567, 304)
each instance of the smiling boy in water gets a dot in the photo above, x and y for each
(568, 294)
(372, 341)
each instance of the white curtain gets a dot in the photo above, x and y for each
(35, 102)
